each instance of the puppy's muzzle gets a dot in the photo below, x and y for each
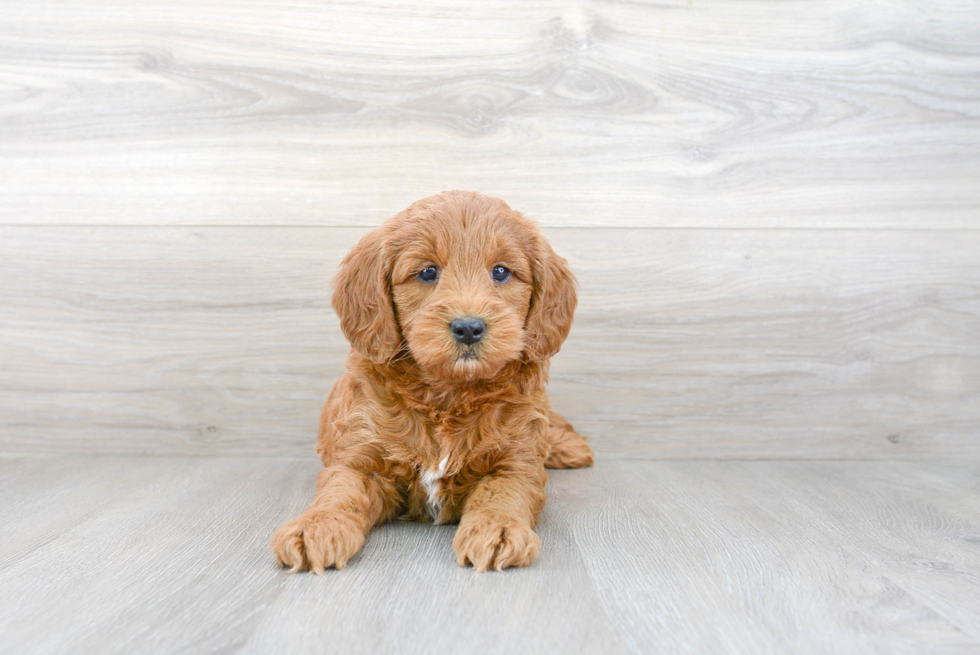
(468, 329)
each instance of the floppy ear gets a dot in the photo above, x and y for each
(362, 299)
(553, 303)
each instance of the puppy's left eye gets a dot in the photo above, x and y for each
(429, 274)
(500, 273)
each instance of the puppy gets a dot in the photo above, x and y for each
(453, 309)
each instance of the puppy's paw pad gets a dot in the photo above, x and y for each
(495, 545)
(316, 542)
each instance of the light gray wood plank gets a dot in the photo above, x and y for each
(911, 532)
(702, 557)
(706, 113)
(955, 489)
(687, 343)
(775, 344)
(181, 564)
(210, 340)
(761, 557)
(45, 496)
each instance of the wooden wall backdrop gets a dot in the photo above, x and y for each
(773, 209)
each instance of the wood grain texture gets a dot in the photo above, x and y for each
(772, 208)
(638, 557)
(686, 114)
(687, 343)
(166, 562)
(44, 496)
(775, 516)
(930, 552)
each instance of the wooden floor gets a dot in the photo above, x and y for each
(131, 554)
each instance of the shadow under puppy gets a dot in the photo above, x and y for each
(454, 308)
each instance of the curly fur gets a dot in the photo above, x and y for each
(422, 426)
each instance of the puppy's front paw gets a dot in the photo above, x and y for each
(489, 543)
(317, 541)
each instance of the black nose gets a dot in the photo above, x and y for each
(468, 329)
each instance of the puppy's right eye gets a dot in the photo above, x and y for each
(429, 274)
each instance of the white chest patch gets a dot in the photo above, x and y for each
(431, 481)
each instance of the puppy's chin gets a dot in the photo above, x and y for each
(462, 364)
(469, 365)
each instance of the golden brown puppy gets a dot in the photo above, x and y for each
(454, 308)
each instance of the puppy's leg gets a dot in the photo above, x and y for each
(332, 529)
(496, 528)
(569, 450)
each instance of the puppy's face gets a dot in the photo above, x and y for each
(462, 289)
(462, 282)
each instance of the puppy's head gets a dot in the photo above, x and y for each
(461, 281)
